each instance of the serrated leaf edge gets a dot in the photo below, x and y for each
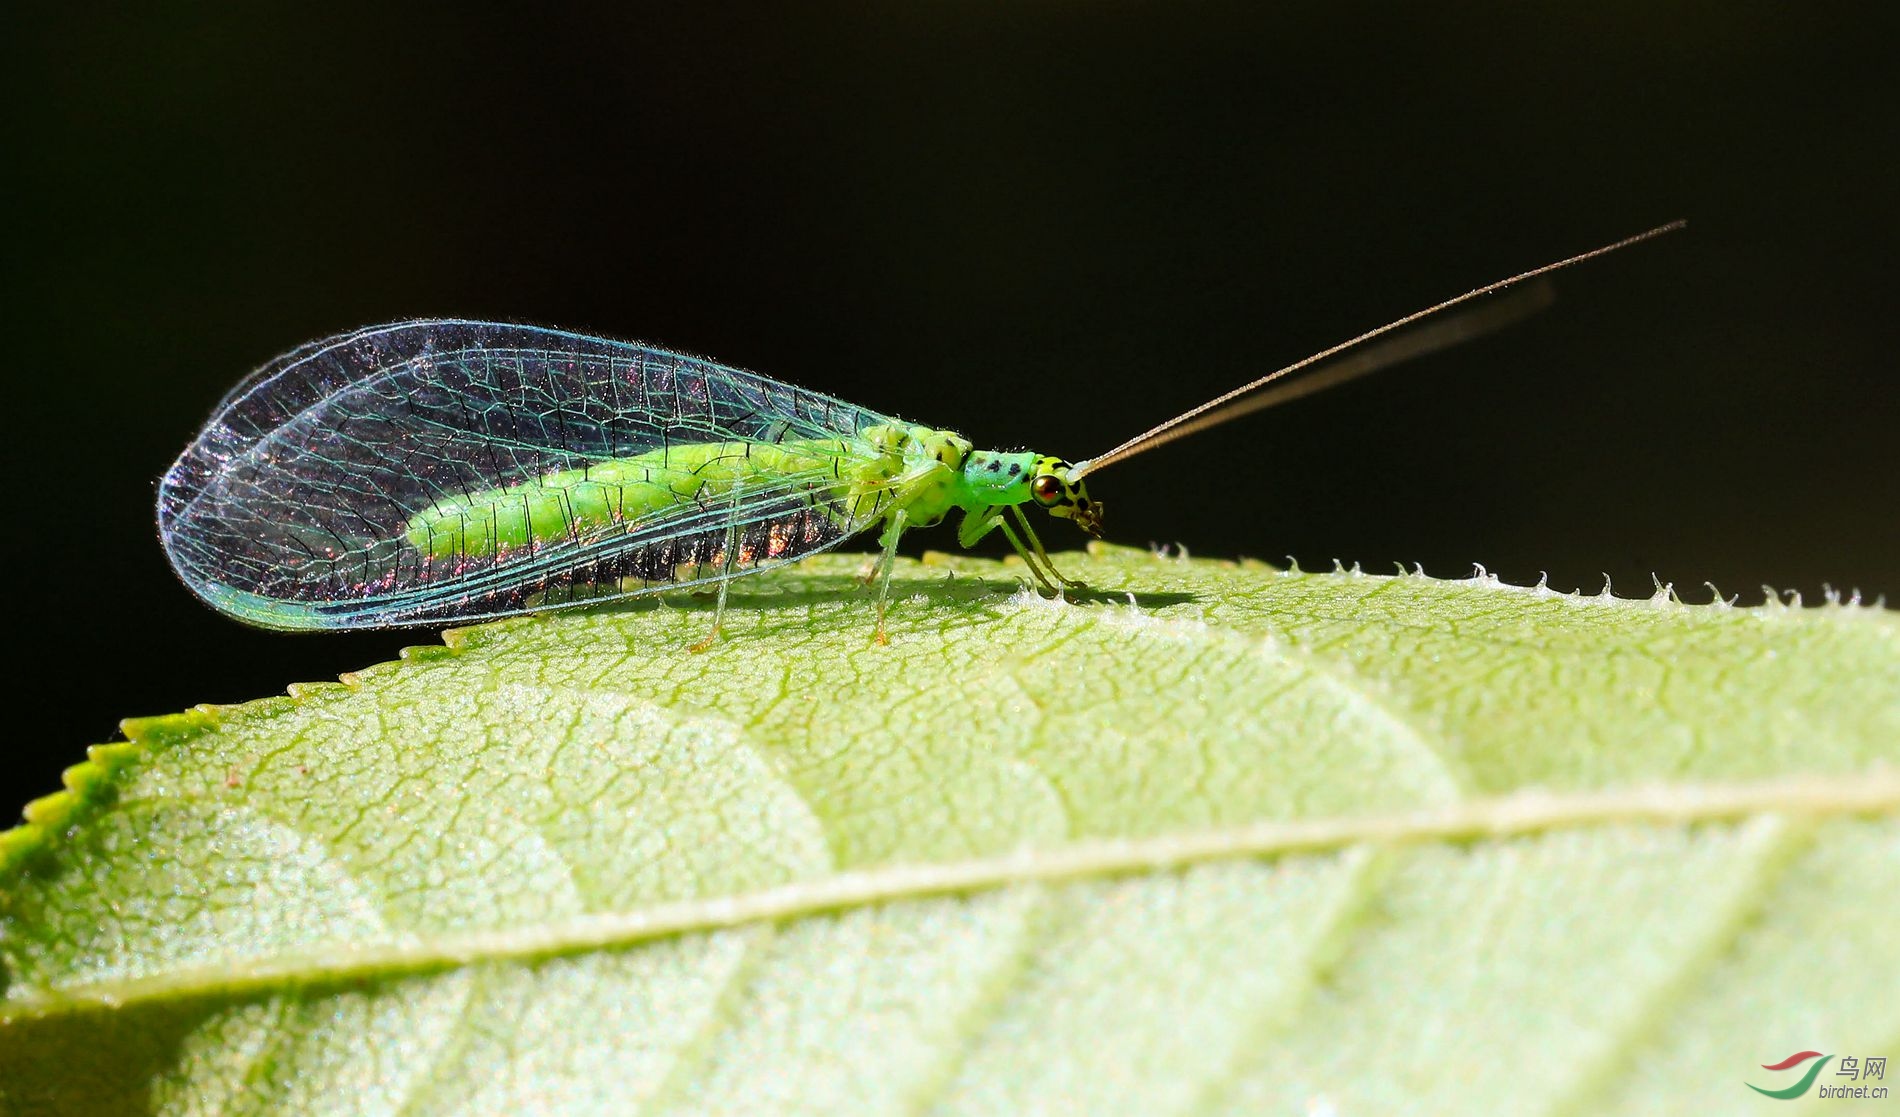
(92, 784)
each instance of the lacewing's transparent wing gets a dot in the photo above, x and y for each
(315, 495)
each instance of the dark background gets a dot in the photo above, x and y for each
(1046, 225)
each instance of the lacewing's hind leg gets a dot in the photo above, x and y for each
(884, 565)
(719, 611)
(727, 566)
(1035, 543)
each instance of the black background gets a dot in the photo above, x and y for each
(1045, 225)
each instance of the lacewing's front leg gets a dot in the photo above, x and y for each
(1036, 543)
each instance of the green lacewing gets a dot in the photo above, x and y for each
(435, 471)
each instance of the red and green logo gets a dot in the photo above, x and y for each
(1793, 1060)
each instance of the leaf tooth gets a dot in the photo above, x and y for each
(85, 785)
(169, 729)
(303, 692)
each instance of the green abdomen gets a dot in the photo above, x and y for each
(619, 494)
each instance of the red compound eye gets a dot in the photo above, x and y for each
(1046, 489)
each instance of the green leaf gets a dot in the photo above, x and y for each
(1218, 838)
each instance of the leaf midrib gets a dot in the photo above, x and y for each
(1501, 816)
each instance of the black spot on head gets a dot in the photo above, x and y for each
(1082, 502)
(994, 466)
(1014, 468)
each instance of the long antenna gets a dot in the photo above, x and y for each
(1230, 405)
